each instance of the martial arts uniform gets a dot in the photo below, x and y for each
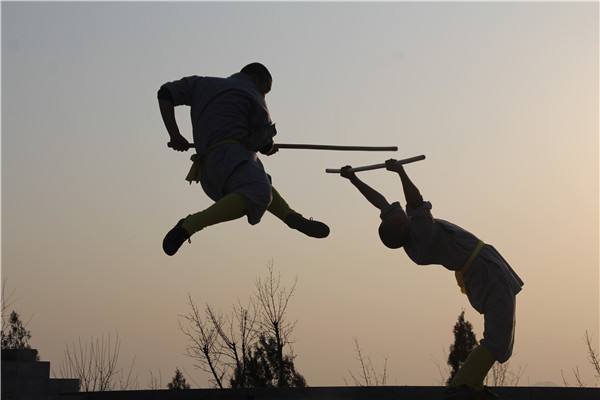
(230, 122)
(490, 283)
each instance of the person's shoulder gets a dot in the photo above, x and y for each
(242, 81)
(211, 83)
(423, 205)
(240, 76)
(422, 210)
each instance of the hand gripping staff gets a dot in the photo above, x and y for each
(376, 166)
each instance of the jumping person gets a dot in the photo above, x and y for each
(488, 281)
(230, 124)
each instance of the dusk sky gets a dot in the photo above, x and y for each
(502, 98)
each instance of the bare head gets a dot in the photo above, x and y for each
(260, 75)
(394, 227)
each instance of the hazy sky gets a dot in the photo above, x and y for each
(502, 98)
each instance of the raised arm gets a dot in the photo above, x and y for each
(373, 196)
(411, 192)
(167, 111)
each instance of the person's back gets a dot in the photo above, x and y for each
(222, 108)
(435, 241)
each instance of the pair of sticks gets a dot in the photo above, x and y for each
(345, 148)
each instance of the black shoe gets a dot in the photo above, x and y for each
(175, 238)
(309, 227)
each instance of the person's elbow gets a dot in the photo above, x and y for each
(164, 94)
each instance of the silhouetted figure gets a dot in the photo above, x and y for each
(488, 281)
(230, 123)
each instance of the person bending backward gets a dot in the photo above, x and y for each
(487, 279)
(230, 124)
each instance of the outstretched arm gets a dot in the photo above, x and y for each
(373, 196)
(411, 192)
(167, 111)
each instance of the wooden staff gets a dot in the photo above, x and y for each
(324, 147)
(376, 166)
(334, 147)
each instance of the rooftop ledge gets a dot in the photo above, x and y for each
(335, 393)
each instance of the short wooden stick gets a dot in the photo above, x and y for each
(376, 166)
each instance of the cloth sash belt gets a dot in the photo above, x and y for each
(459, 274)
(195, 172)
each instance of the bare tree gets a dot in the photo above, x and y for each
(578, 378)
(443, 368)
(236, 333)
(592, 357)
(273, 300)
(244, 347)
(501, 375)
(6, 301)
(565, 382)
(96, 365)
(367, 375)
(576, 374)
(220, 344)
(203, 346)
(155, 382)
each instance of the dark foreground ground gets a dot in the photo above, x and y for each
(26, 378)
(335, 393)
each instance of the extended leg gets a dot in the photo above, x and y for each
(280, 208)
(475, 368)
(468, 381)
(230, 207)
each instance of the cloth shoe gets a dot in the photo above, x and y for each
(175, 238)
(309, 227)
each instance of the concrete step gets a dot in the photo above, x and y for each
(25, 378)
(25, 369)
(19, 355)
(334, 393)
(22, 389)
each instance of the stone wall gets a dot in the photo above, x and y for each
(26, 378)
